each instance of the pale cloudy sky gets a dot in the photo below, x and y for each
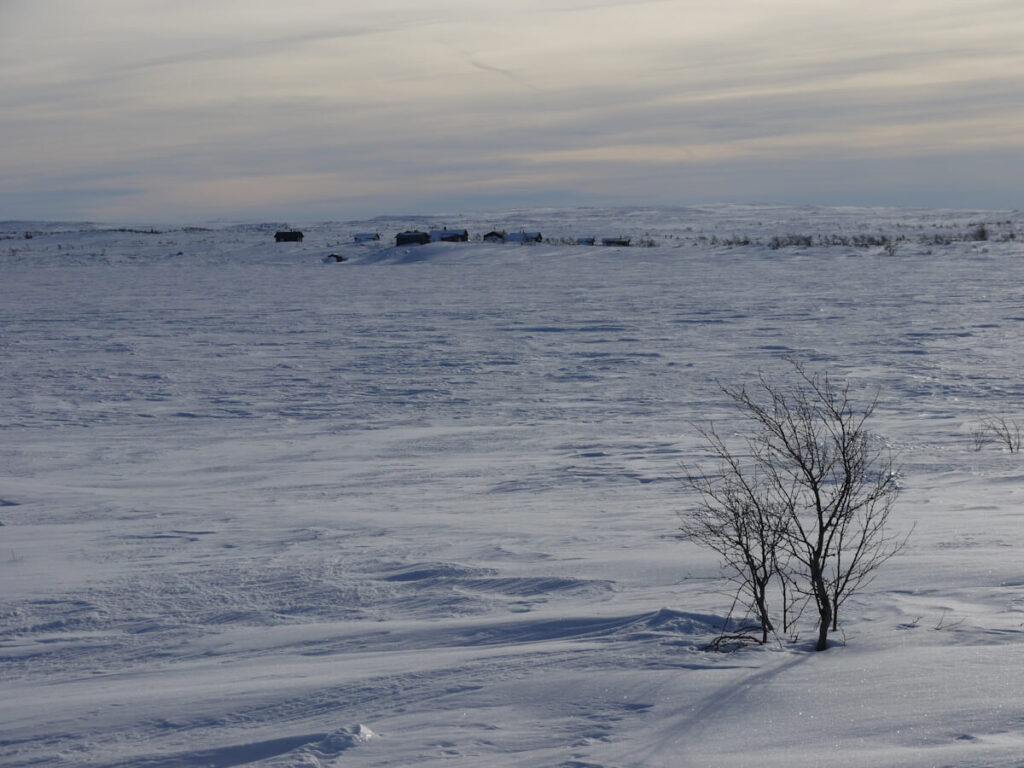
(189, 110)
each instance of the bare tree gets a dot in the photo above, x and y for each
(997, 429)
(737, 519)
(823, 486)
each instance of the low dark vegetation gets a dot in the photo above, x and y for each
(891, 243)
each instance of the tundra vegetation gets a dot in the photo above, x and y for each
(1000, 430)
(799, 510)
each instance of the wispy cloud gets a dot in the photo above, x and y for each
(438, 100)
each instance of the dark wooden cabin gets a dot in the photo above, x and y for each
(524, 237)
(412, 238)
(449, 235)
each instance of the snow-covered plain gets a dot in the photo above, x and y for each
(420, 507)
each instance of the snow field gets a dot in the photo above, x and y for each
(419, 507)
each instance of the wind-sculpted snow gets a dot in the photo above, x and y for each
(419, 507)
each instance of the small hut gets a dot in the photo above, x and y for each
(449, 235)
(291, 236)
(494, 237)
(524, 237)
(414, 237)
(620, 242)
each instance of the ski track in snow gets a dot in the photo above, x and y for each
(419, 507)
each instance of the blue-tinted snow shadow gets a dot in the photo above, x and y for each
(223, 757)
(661, 625)
(665, 627)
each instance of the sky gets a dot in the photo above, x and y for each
(203, 110)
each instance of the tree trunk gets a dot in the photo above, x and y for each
(825, 612)
(766, 622)
(822, 636)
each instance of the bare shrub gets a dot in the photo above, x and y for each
(737, 519)
(805, 506)
(997, 429)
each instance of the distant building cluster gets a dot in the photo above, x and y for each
(415, 237)
(445, 235)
